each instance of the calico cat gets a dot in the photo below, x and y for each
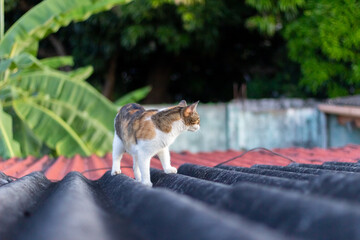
(145, 133)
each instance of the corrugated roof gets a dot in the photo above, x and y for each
(261, 196)
(56, 169)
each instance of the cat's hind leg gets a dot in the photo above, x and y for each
(164, 156)
(136, 169)
(117, 153)
(144, 166)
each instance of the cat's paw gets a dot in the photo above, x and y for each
(148, 184)
(117, 172)
(170, 170)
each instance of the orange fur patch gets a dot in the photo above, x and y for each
(146, 130)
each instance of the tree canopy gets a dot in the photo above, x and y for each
(322, 36)
(205, 50)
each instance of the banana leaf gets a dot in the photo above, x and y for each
(8, 146)
(81, 95)
(30, 145)
(59, 61)
(4, 65)
(45, 18)
(93, 133)
(20, 62)
(50, 128)
(81, 74)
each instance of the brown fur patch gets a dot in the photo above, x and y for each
(146, 130)
(130, 123)
(132, 111)
(163, 120)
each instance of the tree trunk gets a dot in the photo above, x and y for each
(159, 79)
(110, 78)
(58, 46)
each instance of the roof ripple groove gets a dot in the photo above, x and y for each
(260, 196)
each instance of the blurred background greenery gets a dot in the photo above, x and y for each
(162, 51)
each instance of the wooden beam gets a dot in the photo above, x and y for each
(349, 111)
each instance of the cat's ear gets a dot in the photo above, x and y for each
(191, 108)
(182, 103)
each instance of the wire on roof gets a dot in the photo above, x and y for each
(254, 149)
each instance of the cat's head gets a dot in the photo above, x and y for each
(189, 115)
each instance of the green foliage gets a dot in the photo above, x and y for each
(150, 20)
(325, 40)
(273, 14)
(49, 16)
(2, 21)
(195, 43)
(62, 137)
(57, 62)
(40, 105)
(8, 146)
(81, 73)
(323, 37)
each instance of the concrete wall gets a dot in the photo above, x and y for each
(265, 123)
(275, 128)
(340, 135)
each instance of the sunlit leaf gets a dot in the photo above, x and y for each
(93, 133)
(81, 95)
(30, 145)
(8, 146)
(59, 61)
(45, 18)
(81, 74)
(50, 128)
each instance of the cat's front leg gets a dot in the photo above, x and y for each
(164, 156)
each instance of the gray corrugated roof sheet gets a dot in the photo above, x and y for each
(301, 201)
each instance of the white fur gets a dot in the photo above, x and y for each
(144, 150)
(118, 150)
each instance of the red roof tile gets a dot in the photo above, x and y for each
(56, 169)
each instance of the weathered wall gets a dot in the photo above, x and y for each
(340, 135)
(275, 128)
